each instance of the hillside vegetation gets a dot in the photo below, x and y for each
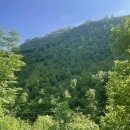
(68, 79)
(62, 59)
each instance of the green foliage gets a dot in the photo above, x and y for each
(121, 36)
(118, 87)
(78, 122)
(67, 64)
(62, 113)
(11, 123)
(91, 103)
(9, 64)
(69, 120)
(62, 63)
(44, 123)
(81, 122)
(118, 91)
(116, 119)
(1, 109)
(120, 79)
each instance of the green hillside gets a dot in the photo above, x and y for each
(62, 64)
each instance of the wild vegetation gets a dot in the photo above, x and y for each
(69, 80)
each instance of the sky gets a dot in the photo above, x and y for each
(35, 18)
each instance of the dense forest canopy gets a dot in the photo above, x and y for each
(69, 80)
(63, 58)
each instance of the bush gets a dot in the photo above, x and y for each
(44, 123)
(81, 122)
(11, 123)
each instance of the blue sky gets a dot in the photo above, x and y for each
(33, 18)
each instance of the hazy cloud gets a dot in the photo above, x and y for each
(119, 13)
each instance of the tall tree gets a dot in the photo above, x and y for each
(118, 87)
(9, 64)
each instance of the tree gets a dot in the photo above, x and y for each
(91, 105)
(121, 36)
(10, 123)
(118, 87)
(81, 122)
(118, 92)
(62, 112)
(10, 62)
(44, 123)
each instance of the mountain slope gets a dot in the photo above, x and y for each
(58, 59)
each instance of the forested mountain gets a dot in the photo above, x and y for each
(63, 63)
(71, 80)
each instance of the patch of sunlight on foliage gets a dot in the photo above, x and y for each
(11, 123)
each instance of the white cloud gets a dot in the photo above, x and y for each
(120, 13)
